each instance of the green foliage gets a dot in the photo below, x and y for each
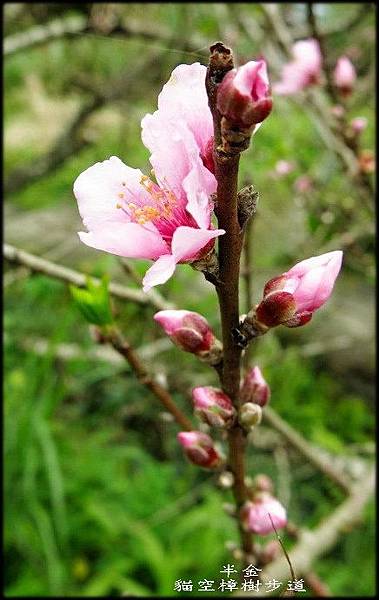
(94, 302)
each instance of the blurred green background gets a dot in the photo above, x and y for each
(99, 499)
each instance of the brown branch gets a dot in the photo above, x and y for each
(309, 452)
(46, 267)
(72, 140)
(229, 253)
(122, 346)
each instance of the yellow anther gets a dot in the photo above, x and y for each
(121, 195)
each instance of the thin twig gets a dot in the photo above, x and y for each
(309, 452)
(51, 269)
(316, 543)
(123, 347)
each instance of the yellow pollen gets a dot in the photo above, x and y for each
(121, 195)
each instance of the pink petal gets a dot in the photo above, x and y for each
(160, 272)
(184, 97)
(126, 239)
(100, 188)
(187, 241)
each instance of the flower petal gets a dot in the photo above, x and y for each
(126, 239)
(104, 185)
(160, 272)
(187, 241)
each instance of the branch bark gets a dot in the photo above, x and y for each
(229, 254)
(46, 267)
(122, 346)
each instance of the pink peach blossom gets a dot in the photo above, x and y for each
(244, 94)
(284, 167)
(303, 71)
(344, 75)
(292, 298)
(255, 515)
(167, 221)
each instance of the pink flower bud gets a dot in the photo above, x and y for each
(338, 111)
(188, 330)
(255, 514)
(358, 125)
(254, 388)
(213, 406)
(344, 75)
(292, 298)
(244, 96)
(199, 449)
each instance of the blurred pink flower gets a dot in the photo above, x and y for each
(303, 71)
(292, 298)
(255, 388)
(358, 124)
(255, 515)
(303, 184)
(199, 449)
(244, 94)
(128, 214)
(284, 167)
(344, 75)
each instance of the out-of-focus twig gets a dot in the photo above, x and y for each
(72, 140)
(46, 267)
(317, 542)
(309, 452)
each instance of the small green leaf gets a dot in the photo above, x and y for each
(94, 301)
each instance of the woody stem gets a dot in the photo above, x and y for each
(229, 255)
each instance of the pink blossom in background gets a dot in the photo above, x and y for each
(344, 75)
(187, 329)
(244, 94)
(213, 406)
(358, 124)
(338, 111)
(303, 71)
(254, 387)
(255, 515)
(303, 184)
(292, 298)
(199, 449)
(167, 220)
(284, 167)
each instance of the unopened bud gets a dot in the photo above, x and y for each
(255, 515)
(250, 415)
(199, 449)
(226, 479)
(358, 125)
(188, 330)
(213, 406)
(243, 97)
(344, 76)
(254, 388)
(292, 298)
